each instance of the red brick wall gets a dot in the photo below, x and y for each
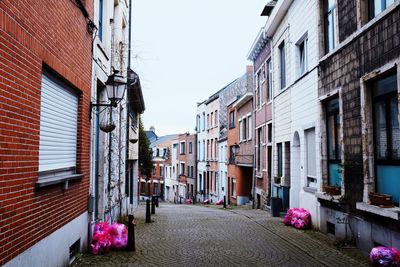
(33, 34)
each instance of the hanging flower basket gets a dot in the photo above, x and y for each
(381, 200)
(332, 190)
(107, 128)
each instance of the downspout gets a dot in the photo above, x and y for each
(128, 181)
(253, 117)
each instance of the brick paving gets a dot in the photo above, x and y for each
(187, 235)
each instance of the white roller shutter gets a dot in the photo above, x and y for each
(58, 125)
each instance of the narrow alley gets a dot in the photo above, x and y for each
(193, 235)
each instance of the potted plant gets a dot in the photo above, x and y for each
(381, 200)
(277, 179)
(332, 190)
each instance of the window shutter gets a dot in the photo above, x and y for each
(58, 125)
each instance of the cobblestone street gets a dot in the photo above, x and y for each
(185, 235)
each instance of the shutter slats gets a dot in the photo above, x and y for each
(58, 125)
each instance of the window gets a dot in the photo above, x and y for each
(208, 121)
(216, 118)
(269, 132)
(233, 187)
(280, 157)
(143, 188)
(244, 134)
(100, 20)
(155, 188)
(269, 167)
(311, 158)
(260, 80)
(198, 150)
(211, 119)
(190, 147)
(58, 128)
(204, 121)
(208, 149)
(240, 131)
(182, 148)
(191, 171)
(232, 119)
(188, 171)
(161, 171)
(333, 129)
(269, 91)
(249, 128)
(302, 56)
(232, 155)
(387, 136)
(182, 169)
(215, 148)
(259, 149)
(377, 6)
(204, 150)
(198, 123)
(282, 64)
(330, 25)
(154, 170)
(211, 148)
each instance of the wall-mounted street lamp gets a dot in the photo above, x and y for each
(115, 89)
(236, 149)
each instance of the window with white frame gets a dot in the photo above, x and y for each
(58, 127)
(183, 148)
(244, 130)
(280, 160)
(269, 90)
(182, 170)
(233, 187)
(232, 119)
(302, 55)
(240, 130)
(333, 130)
(330, 24)
(282, 64)
(249, 128)
(377, 6)
(259, 149)
(311, 158)
(386, 136)
(204, 122)
(258, 89)
(198, 123)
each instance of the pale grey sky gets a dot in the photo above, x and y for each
(185, 50)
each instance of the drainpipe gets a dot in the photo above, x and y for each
(96, 165)
(127, 180)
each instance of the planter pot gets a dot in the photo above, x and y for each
(277, 180)
(332, 190)
(381, 200)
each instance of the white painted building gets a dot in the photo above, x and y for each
(293, 28)
(114, 155)
(222, 182)
(201, 149)
(174, 184)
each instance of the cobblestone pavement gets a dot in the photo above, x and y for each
(187, 235)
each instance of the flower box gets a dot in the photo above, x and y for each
(381, 200)
(332, 190)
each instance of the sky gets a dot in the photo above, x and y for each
(186, 50)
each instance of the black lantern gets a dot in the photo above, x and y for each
(115, 87)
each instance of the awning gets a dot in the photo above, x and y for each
(135, 94)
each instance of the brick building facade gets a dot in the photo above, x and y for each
(358, 75)
(42, 49)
